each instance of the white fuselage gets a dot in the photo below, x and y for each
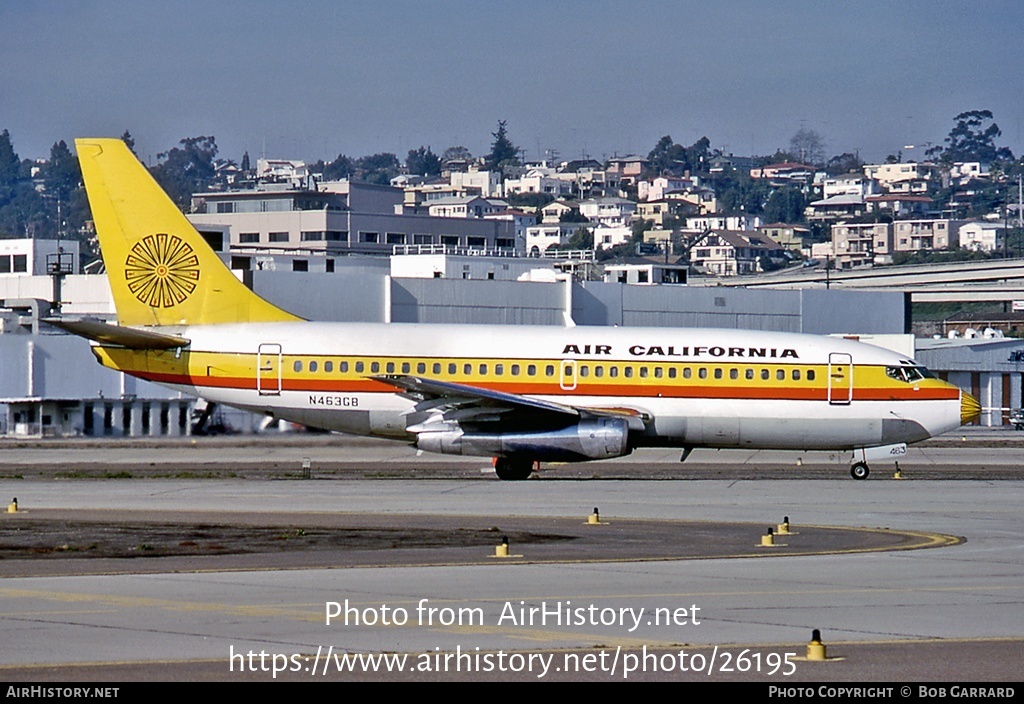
(692, 387)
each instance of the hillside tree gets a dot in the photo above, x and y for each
(503, 151)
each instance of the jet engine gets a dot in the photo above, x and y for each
(590, 439)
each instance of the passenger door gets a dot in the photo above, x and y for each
(840, 379)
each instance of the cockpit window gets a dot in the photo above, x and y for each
(895, 373)
(908, 374)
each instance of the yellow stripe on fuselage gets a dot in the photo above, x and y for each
(548, 377)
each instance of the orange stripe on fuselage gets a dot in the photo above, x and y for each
(740, 391)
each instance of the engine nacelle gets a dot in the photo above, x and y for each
(590, 439)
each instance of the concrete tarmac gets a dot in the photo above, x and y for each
(600, 610)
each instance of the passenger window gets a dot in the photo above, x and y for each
(531, 370)
(312, 366)
(436, 368)
(343, 367)
(515, 370)
(659, 372)
(702, 373)
(687, 373)
(298, 365)
(613, 371)
(467, 369)
(627, 372)
(499, 369)
(765, 374)
(360, 367)
(810, 375)
(421, 367)
(750, 373)
(390, 367)
(718, 373)
(453, 368)
(406, 368)
(549, 370)
(328, 366)
(374, 367)
(483, 369)
(780, 374)
(734, 373)
(671, 372)
(599, 371)
(584, 370)
(796, 375)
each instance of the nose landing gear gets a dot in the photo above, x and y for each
(860, 470)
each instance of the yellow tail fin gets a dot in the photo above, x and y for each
(161, 271)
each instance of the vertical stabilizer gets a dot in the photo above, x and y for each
(161, 271)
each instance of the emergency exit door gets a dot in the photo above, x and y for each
(268, 369)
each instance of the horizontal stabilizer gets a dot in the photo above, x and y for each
(132, 338)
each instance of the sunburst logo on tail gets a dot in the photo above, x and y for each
(162, 270)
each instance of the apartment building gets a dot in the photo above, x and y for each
(731, 253)
(341, 216)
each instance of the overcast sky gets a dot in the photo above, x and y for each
(309, 80)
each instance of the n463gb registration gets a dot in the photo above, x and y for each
(345, 401)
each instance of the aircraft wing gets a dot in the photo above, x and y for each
(474, 405)
(471, 403)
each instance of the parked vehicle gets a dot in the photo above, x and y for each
(1017, 418)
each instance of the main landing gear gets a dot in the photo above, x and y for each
(860, 470)
(514, 468)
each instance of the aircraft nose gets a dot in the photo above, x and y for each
(970, 409)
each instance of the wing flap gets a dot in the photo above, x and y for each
(445, 395)
(448, 402)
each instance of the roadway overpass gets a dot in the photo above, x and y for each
(989, 280)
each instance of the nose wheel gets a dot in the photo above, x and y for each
(860, 471)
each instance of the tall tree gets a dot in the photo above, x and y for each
(23, 211)
(843, 164)
(10, 168)
(973, 139)
(378, 168)
(423, 162)
(785, 205)
(61, 174)
(808, 146)
(667, 157)
(503, 152)
(738, 193)
(697, 155)
(129, 141)
(458, 153)
(341, 167)
(186, 169)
